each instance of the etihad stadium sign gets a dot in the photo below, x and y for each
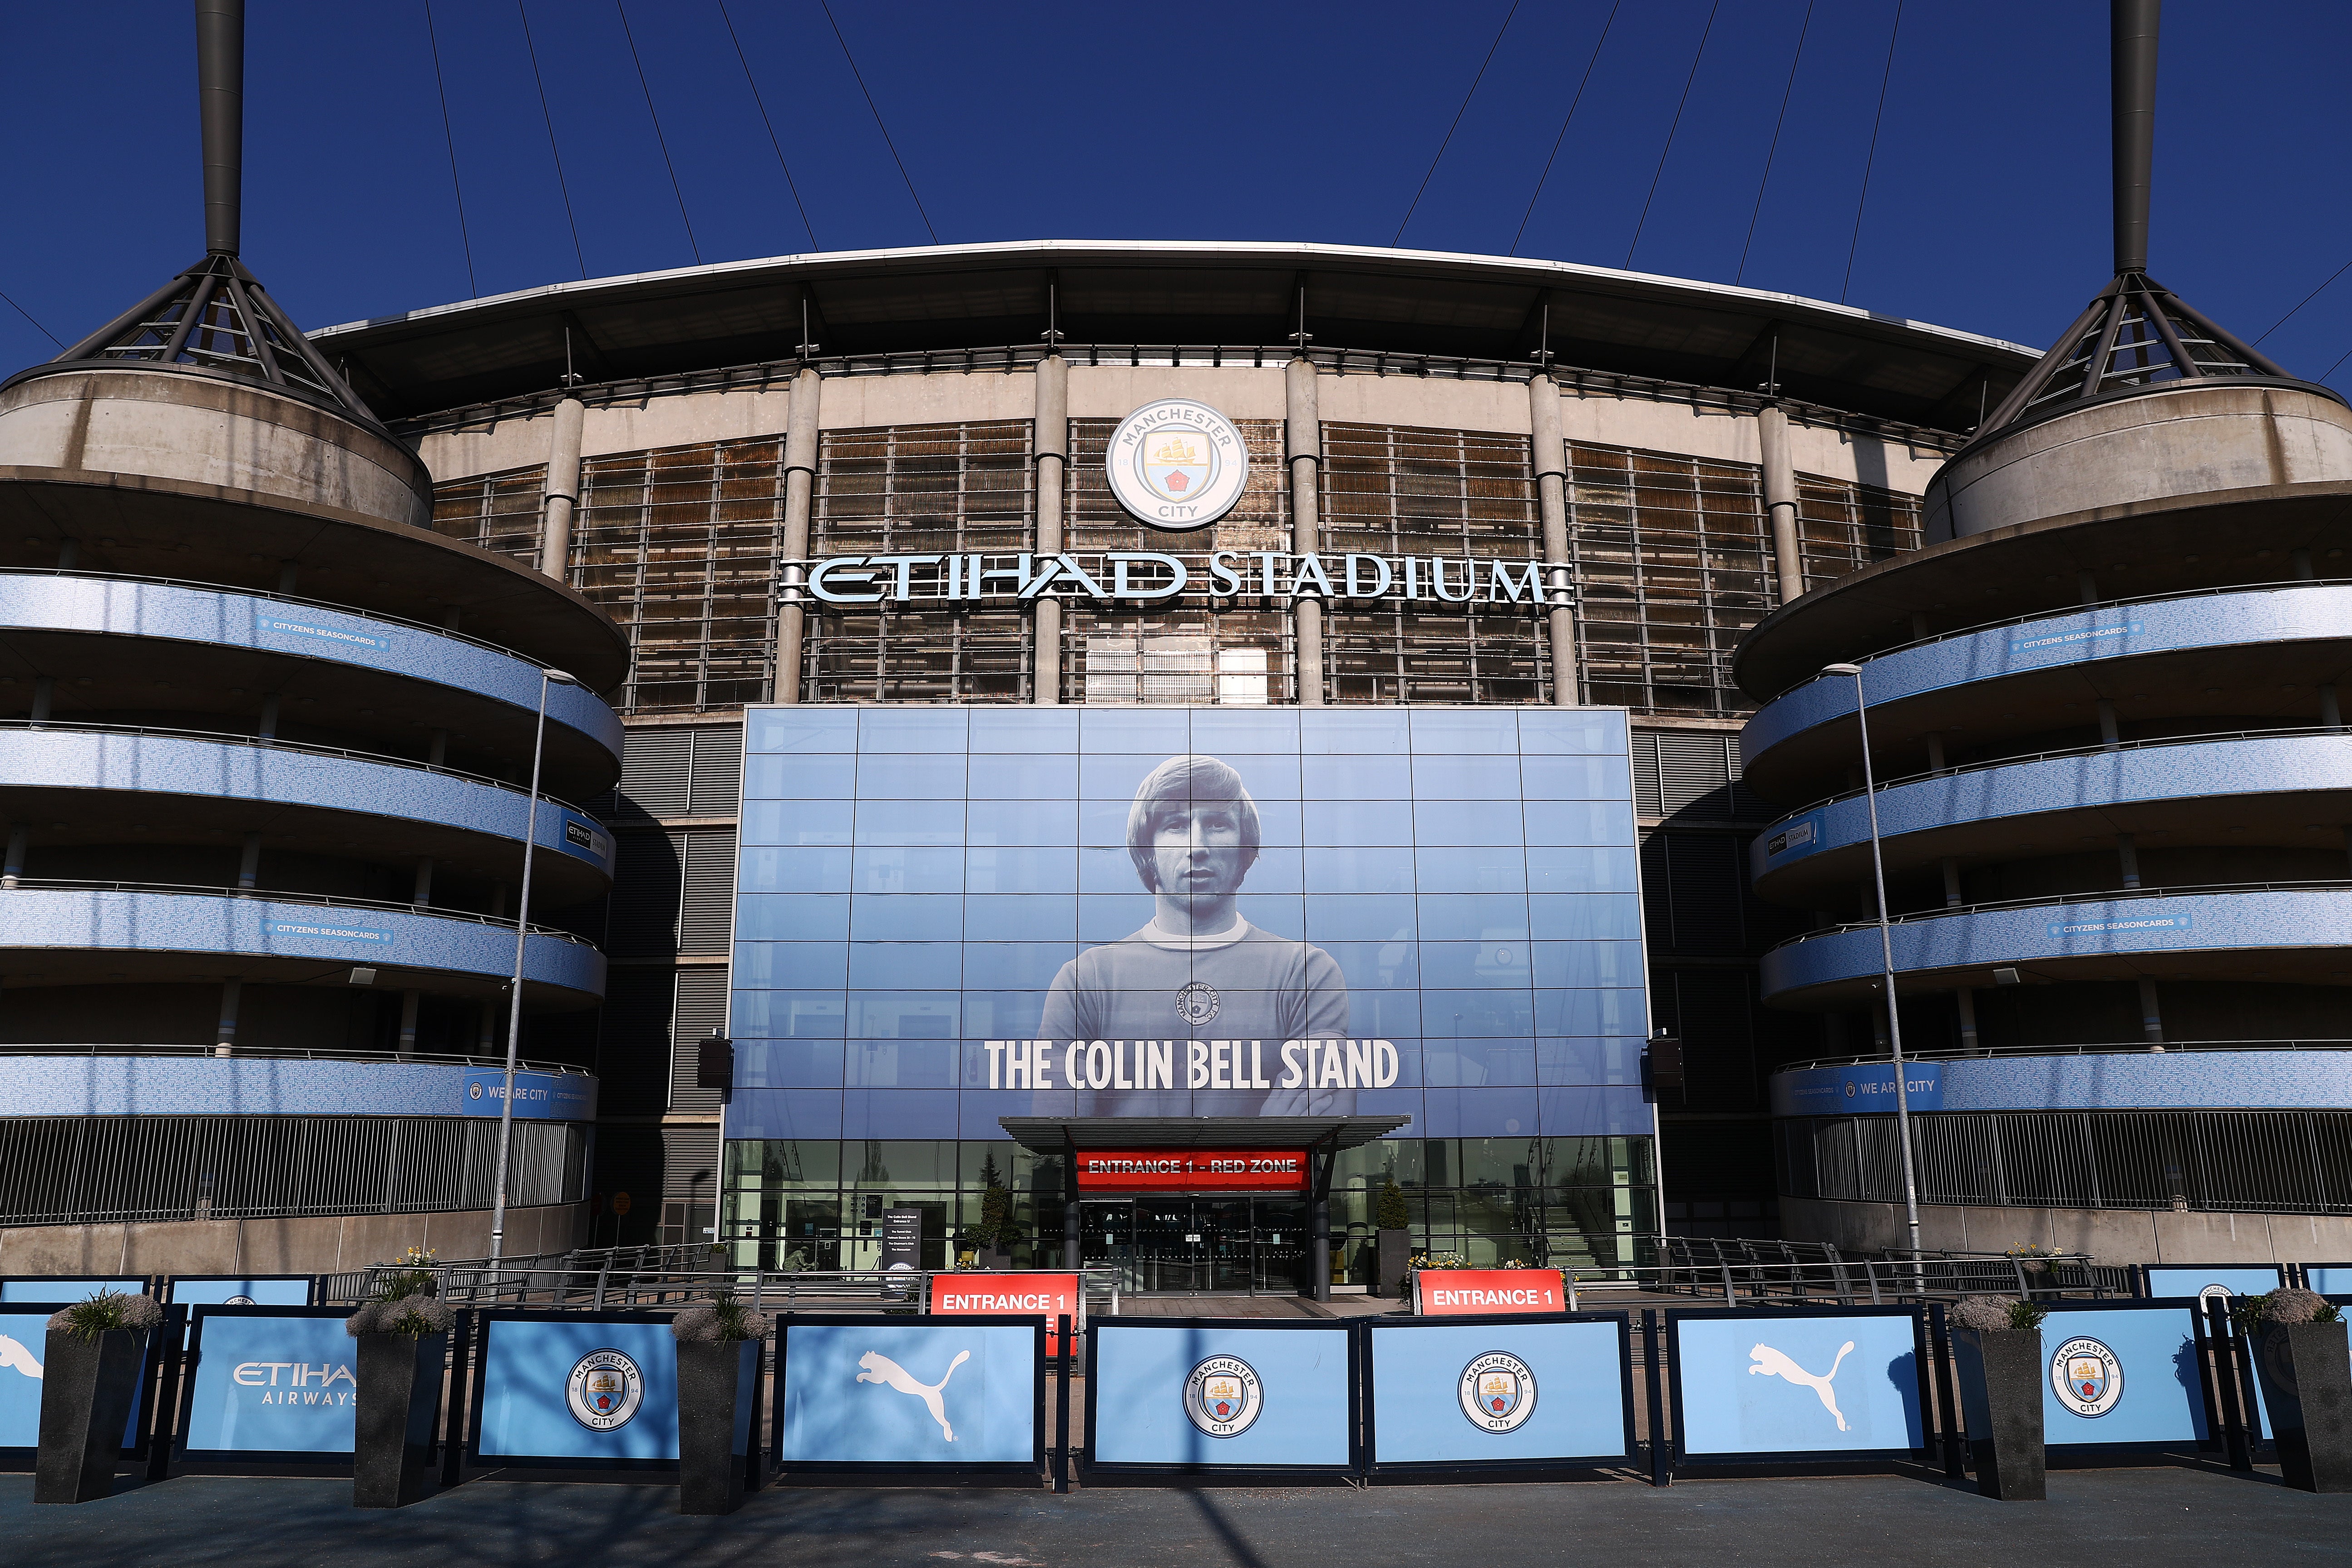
(1147, 576)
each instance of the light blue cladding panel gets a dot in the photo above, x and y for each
(174, 612)
(2109, 1080)
(2299, 613)
(2254, 766)
(133, 922)
(1453, 890)
(2186, 922)
(225, 769)
(269, 1085)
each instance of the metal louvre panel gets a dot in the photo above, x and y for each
(716, 789)
(129, 1169)
(656, 775)
(632, 1042)
(1694, 892)
(2245, 1162)
(689, 1164)
(706, 911)
(700, 1011)
(1648, 799)
(648, 887)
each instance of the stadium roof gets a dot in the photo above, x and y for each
(1403, 302)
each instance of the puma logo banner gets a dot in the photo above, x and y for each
(1765, 1382)
(955, 1392)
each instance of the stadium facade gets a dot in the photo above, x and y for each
(1140, 746)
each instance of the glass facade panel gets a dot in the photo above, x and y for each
(1398, 962)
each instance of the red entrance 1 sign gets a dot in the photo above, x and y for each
(1446, 1292)
(1048, 1295)
(1190, 1171)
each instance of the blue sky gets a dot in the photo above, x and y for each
(1987, 194)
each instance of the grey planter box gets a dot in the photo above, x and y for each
(88, 1389)
(1395, 1253)
(714, 1396)
(2306, 1376)
(392, 1427)
(2000, 1399)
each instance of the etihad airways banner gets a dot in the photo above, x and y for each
(945, 916)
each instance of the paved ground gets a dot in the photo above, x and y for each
(2151, 1517)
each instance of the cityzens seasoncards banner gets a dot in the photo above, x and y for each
(949, 915)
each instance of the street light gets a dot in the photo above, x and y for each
(547, 678)
(1887, 959)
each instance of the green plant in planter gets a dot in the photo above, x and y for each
(1994, 1314)
(725, 1321)
(105, 1312)
(2280, 1308)
(414, 1314)
(419, 1268)
(1390, 1210)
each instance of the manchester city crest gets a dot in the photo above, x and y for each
(1196, 1003)
(1498, 1392)
(605, 1390)
(1222, 1397)
(2087, 1376)
(1177, 465)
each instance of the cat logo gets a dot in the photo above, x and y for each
(2087, 1377)
(1222, 1397)
(605, 1390)
(1498, 1392)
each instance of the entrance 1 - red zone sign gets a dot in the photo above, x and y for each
(1448, 1292)
(1191, 1169)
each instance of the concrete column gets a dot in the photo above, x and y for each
(2302, 561)
(249, 865)
(2087, 583)
(2331, 710)
(408, 1023)
(268, 729)
(2151, 1016)
(44, 691)
(438, 752)
(17, 838)
(1051, 444)
(422, 895)
(1934, 752)
(2111, 734)
(1781, 499)
(1968, 1004)
(2128, 854)
(562, 494)
(799, 486)
(1552, 509)
(224, 1032)
(1303, 445)
(1952, 899)
(290, 575)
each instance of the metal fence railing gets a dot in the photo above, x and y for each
(664, 1276)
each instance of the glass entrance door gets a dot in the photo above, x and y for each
(1176, 1244)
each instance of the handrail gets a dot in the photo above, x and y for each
(2092, 1048)
(293, 1053)
(2056, 614)
(2061, 900)
(242, 591)
(304, 748)
(2092, 749)
(267, 895)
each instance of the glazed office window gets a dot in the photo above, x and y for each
(1391, 490)
(1673, 561)
(921, 489)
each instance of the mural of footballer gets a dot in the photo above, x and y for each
(1199, 971)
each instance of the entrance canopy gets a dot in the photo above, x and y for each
(1056, 1134)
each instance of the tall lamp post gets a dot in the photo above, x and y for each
(546, 679)
(1886, 959)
